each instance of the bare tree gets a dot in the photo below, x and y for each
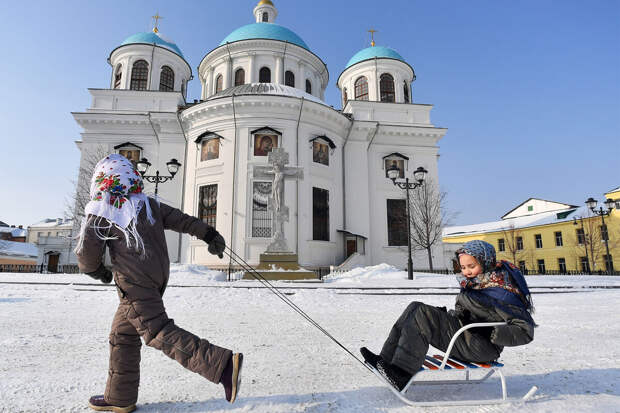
(593, 246)
(513, 242)
(75, 204)
(428, 217)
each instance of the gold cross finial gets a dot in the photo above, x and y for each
(372, 36)
(156, 17)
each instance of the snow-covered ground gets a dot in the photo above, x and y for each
(53, 337)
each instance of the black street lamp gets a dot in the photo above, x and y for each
(173, 167)
(609, 203)
(419, 174)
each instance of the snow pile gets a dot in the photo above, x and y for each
(193, 272)
(381, 272)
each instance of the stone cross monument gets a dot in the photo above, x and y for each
(278, 158)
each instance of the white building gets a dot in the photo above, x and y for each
(263, 87)
(53, 238)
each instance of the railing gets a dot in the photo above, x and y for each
(40, 268)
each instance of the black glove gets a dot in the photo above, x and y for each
(216, 242)
(102, 274)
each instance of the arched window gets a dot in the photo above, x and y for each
(265, 17)
(219, 83)
(406, 92)
(117, 76)
(289, 78)
(264, 75)
(166, 79)
(386, 86)
(308, 87)
(139, 75)
(345, 98)
(239, 77)
(361, 88)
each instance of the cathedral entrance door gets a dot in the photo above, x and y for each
(351, 246)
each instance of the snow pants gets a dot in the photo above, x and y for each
(421, 325)
(141, 314)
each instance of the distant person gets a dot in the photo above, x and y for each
(131, 226)
(490, 292)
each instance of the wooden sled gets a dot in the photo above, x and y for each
(437, 365)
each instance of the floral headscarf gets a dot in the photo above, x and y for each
(116, 194)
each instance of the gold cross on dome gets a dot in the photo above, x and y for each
(372, 36)
(156, 17)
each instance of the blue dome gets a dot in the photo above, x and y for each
(265, 31)
(372, 52)
(153, 38)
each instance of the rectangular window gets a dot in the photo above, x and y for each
(519, 243)
(608, 262)
(562, 265)
(541, 266)
(261, 216)
(585, 265)
(558, 239)
(397, 222)
(530, 208)
(320, 214)
(538, 239)
(581, 237)
(207, 206)
(604, 233)
(501, 246)
(522, 267)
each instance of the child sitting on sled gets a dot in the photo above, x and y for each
(490, 292)
(131, 226)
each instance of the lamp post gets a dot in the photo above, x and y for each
(419, 174)
(173, 167)
(609, 203)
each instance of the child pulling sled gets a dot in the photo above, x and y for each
(121, 218)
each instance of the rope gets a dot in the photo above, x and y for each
(247, 267)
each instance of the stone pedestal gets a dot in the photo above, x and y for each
(281, 266)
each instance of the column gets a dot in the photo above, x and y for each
(300, 77)
(228, 76)
(279, 70)
(211, 89)
(252, 68)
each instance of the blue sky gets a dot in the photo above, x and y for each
(529, 90)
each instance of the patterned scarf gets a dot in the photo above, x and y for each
(116, 195)
(500, 283)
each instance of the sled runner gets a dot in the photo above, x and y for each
(437, 365)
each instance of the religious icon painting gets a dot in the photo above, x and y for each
(131, 154)
(320, 153)
(263, 144)
(210, 149)
(399, 163)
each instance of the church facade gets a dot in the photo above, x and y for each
(263, 88)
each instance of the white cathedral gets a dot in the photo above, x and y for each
(263, 88)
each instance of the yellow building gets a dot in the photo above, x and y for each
(550, 237)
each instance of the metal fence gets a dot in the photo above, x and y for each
(41, 268)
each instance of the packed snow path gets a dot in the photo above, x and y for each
(54, 346)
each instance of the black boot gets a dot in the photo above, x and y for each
(370, 357)
(396, 376)
(99, 404)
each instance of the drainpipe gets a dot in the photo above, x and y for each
(185, 156)
(373, 136)
(156, 136)
(151, 68)
(377, 82)
(344, 198)
(234, 177)
(301, 107)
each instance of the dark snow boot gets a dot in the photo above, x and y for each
(394, 375)
(370, 357)
(231, 377)
(98, 403)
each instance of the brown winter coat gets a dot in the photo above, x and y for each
(141, 282)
